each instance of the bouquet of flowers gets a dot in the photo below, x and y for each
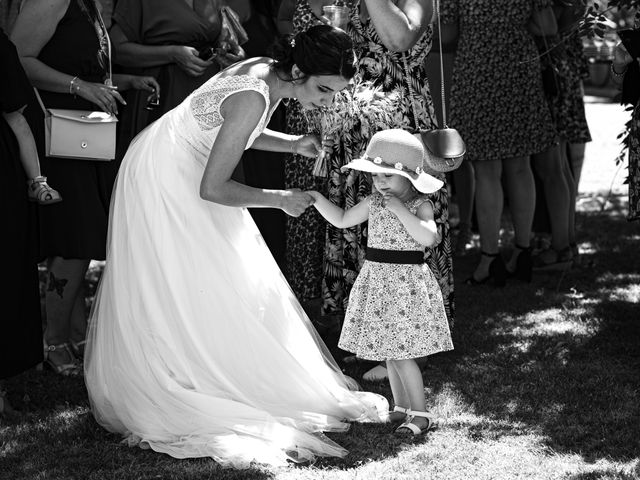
(363, 108)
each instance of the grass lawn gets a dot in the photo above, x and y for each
(544, 383)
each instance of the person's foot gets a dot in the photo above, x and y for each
(377, 373)
(552, 259)
(61, 360)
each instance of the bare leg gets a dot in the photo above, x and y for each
(549, 167)
(411, 378)
(568, 176)
(464, 179)
(522, 201)
(66, 277)
(576, 159)
(489, 202)
(400, 396)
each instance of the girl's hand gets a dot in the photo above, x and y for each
(187, 59)
(307, 146)
(392, 203)
(295, 202)
(104, 96)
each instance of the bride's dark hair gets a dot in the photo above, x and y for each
(320, 50)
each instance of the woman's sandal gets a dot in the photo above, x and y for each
(415, 430)
(64, 369)
(40, 191)
(399, 418)
(78, 349)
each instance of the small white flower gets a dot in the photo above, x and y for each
(398, 166)
(418, 170)
(377, 160)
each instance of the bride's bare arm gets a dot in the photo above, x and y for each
(242, 112)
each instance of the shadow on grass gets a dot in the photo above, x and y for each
(559, 358)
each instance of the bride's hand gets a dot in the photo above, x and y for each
(295, 202)
(307, 146)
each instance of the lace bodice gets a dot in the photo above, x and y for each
(197, 119)
(386, 231)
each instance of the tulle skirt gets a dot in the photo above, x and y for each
(197, 346)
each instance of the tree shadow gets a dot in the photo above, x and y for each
(559, 357)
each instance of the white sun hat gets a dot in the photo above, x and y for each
(397, 151)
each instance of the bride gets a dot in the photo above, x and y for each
(197, 347)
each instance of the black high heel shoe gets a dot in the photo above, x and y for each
(524, 265)
(497, 272)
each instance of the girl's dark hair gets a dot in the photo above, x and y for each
(321, 50)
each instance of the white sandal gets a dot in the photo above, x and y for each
(39, 191)
(406, 412)
(416, 430)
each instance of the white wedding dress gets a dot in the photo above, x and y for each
(197, 346)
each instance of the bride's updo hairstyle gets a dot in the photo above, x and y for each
(321, 50)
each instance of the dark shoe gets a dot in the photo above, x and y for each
(549, 260)
(497, 272)
(524, 265)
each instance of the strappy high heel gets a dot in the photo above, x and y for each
(65, 369)
(524, 265)
(497, 272)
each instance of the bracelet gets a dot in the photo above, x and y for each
(619, 74)
(292, 146)
(73, 86)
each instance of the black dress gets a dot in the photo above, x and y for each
(21, 338)
(77, 226)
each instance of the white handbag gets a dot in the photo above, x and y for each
(80, 134)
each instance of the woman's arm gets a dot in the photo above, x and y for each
(35, 25)
(421, 226)
(338, 217)
(272, 141)
(400, 24)
(133, 54)
(242, 112)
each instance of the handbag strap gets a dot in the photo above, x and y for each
(408, 78)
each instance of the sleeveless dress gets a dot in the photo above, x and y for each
(395, 310)
(77, 226)
(197, 346)
(21, 325)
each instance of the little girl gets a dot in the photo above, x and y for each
(395, 310)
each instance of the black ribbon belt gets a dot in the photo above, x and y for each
(394, 256)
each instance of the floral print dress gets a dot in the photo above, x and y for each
(395, 310)
(344, 248)
(497, 101)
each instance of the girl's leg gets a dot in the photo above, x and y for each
(400, 396)
(576, 160)
(78, 323)
(411, 379)
(522, 201)
(66, 277)
(489, 200)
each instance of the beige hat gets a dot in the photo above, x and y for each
(397, 151)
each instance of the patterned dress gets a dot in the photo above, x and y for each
(305, 235)
(395, 310)
(563, 54)
(344, 249)
(497, 102)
